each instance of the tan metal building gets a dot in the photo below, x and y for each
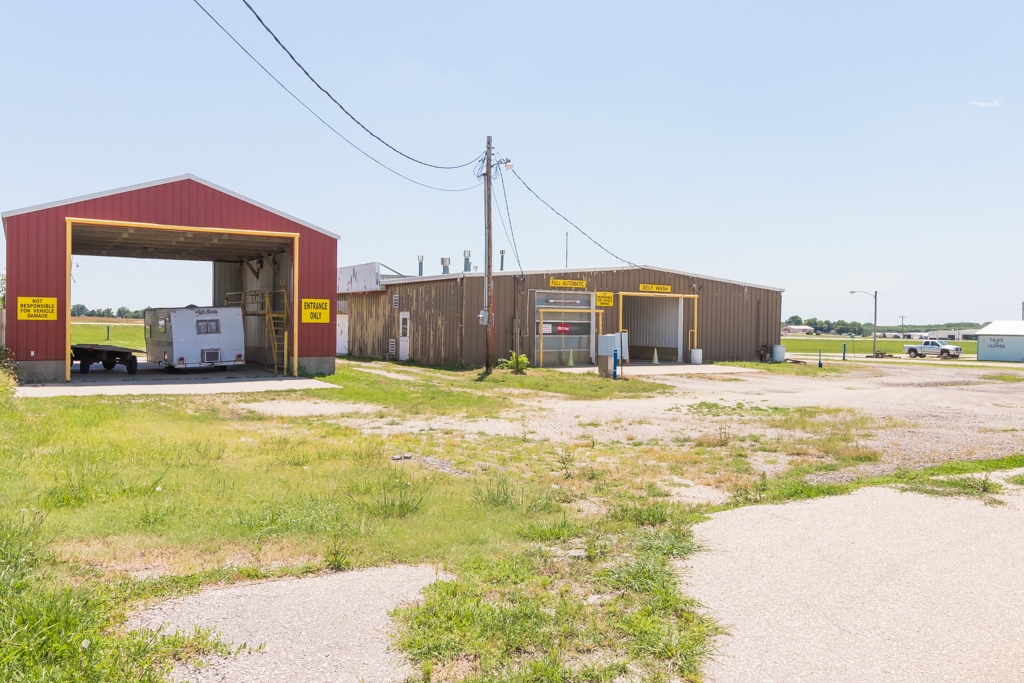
(436, 319)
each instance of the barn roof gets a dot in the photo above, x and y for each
(165, 181)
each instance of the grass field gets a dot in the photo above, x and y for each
(97, 492)
(128, 336)
(812, 344)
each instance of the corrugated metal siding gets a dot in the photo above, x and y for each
(36, 255)
(735, 320)
(1001, 348)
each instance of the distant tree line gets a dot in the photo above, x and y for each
(123, 312)
(843, 327)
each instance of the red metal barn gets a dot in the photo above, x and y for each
(253, 248)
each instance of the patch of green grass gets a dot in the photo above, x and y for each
(808, 369)
(1005, 377)
(547, 531)
(1016, 480)
(812, 344)
(584, 386)
(128, 336)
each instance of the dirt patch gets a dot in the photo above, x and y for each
(308, 408)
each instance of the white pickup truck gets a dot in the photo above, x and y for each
(931, 347)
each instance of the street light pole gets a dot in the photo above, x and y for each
(874, 326)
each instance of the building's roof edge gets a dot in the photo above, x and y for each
(503, 273)
(163, 181)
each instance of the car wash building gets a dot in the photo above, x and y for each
(280, 270)
(555, 316)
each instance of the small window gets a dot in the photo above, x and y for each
(161, 325)
(208, 327)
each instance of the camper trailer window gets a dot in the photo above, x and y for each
(207, 327)
(161, 325)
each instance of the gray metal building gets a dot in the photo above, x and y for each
(436, 319)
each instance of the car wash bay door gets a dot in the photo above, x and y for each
(403, 335)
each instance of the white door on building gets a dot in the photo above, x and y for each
(403, 336)
(342, 334)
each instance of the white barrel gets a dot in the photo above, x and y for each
(778, 353)
(696, 356)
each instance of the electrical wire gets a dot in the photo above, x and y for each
(341, 106)
(321, 119)
(578, 228)
(512, 241)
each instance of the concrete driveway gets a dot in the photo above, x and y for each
(875, 586)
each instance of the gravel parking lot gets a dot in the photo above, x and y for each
(875, 586)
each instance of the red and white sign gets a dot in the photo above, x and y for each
(562, 328)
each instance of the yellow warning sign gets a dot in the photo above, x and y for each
(660, 289)
(606, 298)
(568, 284)
(316, 310)
(37, 308)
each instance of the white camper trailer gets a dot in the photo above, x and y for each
(195, 337)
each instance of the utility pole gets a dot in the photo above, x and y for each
(874, 330)
(489, 286)
(902, 334)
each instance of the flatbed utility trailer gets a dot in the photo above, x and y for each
(108, 356)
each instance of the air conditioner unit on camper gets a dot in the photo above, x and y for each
(211, 355)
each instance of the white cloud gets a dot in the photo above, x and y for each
(993, 103)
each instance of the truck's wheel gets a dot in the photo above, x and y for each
(83, 367)
(913, 353)
(109, 364)
(944, 354)
(133, 365)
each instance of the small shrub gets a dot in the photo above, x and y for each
(395, 495)
(338, 556)
(547, 531)
(516, 362)
(642, 513)
(369, 454)
(501, 492)
(667, 542)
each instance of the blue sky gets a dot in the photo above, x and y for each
(819, 147)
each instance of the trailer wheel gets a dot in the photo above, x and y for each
(912, 353)
(83, 367)
(109, 364)
(133, 365)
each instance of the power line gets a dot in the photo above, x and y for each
(320, 118)
(341, 106)
(578, 228)
(512, 241)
